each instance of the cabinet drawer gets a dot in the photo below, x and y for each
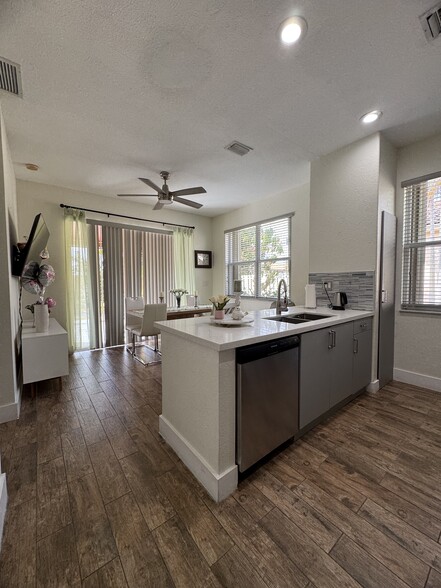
(362, 325)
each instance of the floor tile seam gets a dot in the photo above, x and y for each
(414, 554)
(373, 557)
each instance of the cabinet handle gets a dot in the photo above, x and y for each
(355, 347)
(331, 339)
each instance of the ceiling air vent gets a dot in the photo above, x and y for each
(238, 148)
(10, 77)
(431, 22)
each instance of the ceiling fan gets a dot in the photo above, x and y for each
(165, 196)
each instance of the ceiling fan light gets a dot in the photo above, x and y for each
(371, 117)
(292, 29)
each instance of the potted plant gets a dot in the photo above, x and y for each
(219, 303)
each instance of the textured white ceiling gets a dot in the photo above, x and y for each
(118, 89)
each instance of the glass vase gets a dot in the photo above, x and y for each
(178, 301)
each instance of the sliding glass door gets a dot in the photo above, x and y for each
(127, 262)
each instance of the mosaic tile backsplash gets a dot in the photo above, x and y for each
(359, 287)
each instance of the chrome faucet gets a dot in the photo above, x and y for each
(282, 305)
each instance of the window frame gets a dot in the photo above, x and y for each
(231, 275)
(411, 267)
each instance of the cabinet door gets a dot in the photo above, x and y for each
(362, 359)
(341, 357)
(315, 375)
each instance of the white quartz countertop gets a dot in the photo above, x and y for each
(204, 331)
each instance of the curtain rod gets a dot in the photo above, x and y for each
(163, 223)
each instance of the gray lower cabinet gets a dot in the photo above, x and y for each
(325, 370)
(362, 351)
(315, 375)
(341, 353)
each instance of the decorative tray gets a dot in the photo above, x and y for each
(228, 321)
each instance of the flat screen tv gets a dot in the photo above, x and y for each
(37, 241)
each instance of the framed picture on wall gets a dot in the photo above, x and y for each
(202, 259)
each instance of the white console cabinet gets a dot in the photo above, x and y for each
(45, 355)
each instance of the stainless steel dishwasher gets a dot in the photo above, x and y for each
(267, 398)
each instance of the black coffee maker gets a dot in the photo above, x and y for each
(340, 300)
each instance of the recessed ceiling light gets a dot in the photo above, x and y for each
(292, 29)
(371, 117)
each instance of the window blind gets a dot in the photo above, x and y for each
(421, 279)
(259, 255)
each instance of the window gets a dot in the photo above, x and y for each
(259, 255)
(421, 280)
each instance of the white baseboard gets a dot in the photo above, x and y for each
(3, 503)
(219, 486)
(374, 386)
(9, 412)
(415, 379)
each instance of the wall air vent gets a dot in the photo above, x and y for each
(10, 77)
(431, 22)
(238, 148)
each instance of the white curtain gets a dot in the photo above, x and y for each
(183, 253)
(80, 305)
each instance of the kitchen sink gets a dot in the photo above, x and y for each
(287, 319)
(308, 316)
(298, 319)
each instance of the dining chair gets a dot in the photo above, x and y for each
(152, 313)
(132, 321)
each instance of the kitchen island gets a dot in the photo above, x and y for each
(198, 417)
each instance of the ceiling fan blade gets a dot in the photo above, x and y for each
(151, 184)
(189, 191)
(136, 195)
(158, 206)
(187, 202)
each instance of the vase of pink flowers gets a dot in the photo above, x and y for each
(35, 279)
(41, 311)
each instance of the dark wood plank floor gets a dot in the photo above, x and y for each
(96, 498)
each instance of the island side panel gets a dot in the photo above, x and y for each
(199, 410)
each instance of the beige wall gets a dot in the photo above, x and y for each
(295, 200)
(417, 336)
(9, 286)
(349, 189)
(34, 198)
(344, 201)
